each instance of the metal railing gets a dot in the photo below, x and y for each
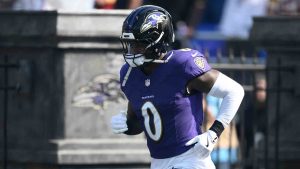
(245, 71)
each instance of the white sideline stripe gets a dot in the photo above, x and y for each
(98, 141)
(101, 152)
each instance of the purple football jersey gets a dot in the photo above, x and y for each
(169, 116)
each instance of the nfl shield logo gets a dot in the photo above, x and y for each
(147, 82)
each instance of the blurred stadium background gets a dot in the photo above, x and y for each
(59, 86)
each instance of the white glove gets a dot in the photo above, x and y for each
(118, 123)
(204, 143)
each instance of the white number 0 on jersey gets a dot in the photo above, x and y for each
(156, 119)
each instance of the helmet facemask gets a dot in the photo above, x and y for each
(139, 52)
(133, 53)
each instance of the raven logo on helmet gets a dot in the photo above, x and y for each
(152, 21)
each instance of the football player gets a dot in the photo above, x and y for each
(164, 89)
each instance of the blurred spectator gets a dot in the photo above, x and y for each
(105, 4)
(237, 17)
(255, 117)
(68, 5)
(6, 4)
(208, 38)
(213, 11)
(29, 5)
(117, 4)
(284, 7)
(225, 154)
(259, 106)
(128, 4)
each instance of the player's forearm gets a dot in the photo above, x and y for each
(232, 94)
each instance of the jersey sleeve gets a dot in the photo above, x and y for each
(195, 65)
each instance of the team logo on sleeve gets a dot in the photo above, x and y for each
(199, 61)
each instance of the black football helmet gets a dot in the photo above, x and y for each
(148, 27)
